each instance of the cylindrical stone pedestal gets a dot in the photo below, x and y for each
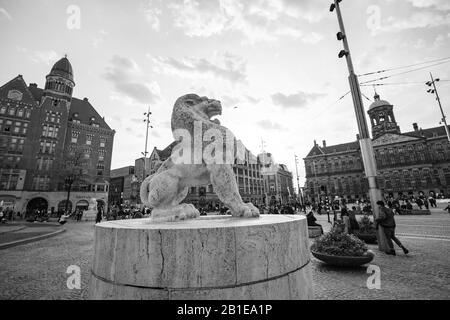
(211, 257)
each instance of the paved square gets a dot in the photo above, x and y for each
(38, 270)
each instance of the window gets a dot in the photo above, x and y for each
(101, 155)
(75, 136)
(12, 111)
(96, 125)
(89, 138)
(20, 113)
(3, 110)
(13, 144)
(102, 142)
(27, 113)
(87, 153)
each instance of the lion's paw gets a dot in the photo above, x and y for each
(247, 210)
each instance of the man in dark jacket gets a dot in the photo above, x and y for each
(386, 220)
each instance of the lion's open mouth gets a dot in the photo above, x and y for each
(215, 109)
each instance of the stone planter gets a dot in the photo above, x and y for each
(370, 238)
(344, 261)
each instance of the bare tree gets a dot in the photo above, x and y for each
(72, 171)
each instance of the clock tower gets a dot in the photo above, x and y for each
(382, 118)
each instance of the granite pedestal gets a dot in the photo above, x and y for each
(211, 257)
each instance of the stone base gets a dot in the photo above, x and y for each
(211, 257)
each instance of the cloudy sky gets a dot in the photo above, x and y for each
(272, 63)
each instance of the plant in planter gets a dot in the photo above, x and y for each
(341, 249)
(367, 231)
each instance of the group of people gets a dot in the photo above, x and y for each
(385, 219)
(8, 214)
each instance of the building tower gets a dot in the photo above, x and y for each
(382, 118)
(48, 138)
(59, 82)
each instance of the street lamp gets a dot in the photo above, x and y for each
(298, 181)
(434, 91)
(365, 142)
(147, 121)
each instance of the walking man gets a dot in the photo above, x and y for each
(387, 221)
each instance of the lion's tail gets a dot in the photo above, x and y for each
(143, 192)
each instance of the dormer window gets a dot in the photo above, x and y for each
(92, 119)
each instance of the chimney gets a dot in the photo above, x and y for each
(324, 143)
(415, 126)
(315, 143)
(357, 136)
(85, 99)
(33, 85)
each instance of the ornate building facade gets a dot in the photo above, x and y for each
(40, 129)
(408, 163)
(278, 183)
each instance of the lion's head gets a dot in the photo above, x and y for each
(203, 107)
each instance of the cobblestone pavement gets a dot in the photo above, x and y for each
(21, 231)
(38, 270)
(422, 274)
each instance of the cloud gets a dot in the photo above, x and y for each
(47, 57)
(422, 19)
(256, 20)
(224, 65)
(5, 14)
(295, 100)
(129, 83)
(152, 13)
(269, 125)
(442, 5)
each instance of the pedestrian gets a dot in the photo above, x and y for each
(344, 212)
(387, 221)
(354, 225)
(447, 208)
(311, 221)
(98, 219)
(62, 219)
(419, 203)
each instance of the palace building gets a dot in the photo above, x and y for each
(41, 131)
(408, 163)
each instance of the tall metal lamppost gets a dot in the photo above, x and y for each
(298, 181)
(434, 90)
(365, 142)
(147, 121)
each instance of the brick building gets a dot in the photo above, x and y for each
(123, 186)
(39, 130)
(408, 163)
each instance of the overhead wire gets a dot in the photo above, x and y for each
(403, 67)
(404, 72)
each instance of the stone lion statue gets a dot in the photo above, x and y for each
(166, 189)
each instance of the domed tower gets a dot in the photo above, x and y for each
(382, 117)
(60, 82)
